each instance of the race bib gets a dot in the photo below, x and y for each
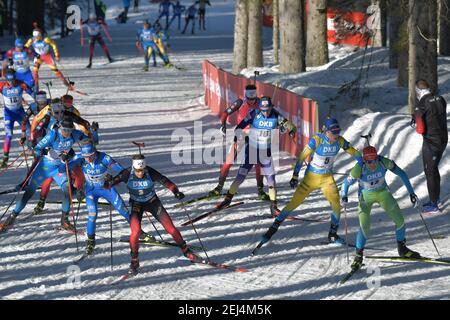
(13, 103)
(373, 184)
(322, 162)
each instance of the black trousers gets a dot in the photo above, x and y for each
(432, 155)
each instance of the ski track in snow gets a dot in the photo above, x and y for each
(131, 105)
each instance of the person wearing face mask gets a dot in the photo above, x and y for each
(322, 148)
(430, 120)
(370, 173)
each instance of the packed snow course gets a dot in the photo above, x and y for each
(36, 262)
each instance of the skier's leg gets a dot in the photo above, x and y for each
(37, 65)
(9, 125)
(390, 205)
(91, 205)
(147, 53)
(137, 211)
(45, 188)
(309, 183)
(159, 212)
(364, 208)
(113, 197)
(91, 50)
(186, 22)
(104, 47)
(38, 177)
(48, 59)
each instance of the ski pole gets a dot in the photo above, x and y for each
(48, 85)
(156, 229)
(428, 230)
(346, 232)
(254, 77)
(367, 137)
(26, 159)
(71, 203)
(139, 145)
(111, 234)
(274, 94)
(23, 184)
(195, 230)
(105, 29)
(9, 166)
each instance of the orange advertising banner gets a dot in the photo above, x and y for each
(223, 88)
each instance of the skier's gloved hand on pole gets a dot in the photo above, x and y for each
(64, 157)
(178, 194)
(223, 129)
(413, 122)
(414, 200)
(294, 182)
(22, 140)
(292, 133)
(344, 201)
(94, 126)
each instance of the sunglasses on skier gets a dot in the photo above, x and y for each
(370, 161)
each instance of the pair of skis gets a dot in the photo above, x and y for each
(396, 259)
(205, 262)
(160, 243)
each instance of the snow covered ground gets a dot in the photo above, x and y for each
(36, 262)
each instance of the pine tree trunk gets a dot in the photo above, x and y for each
(240, 37)
(27, 12)
(422, 46)
(401, 47)
(395, 22)
(276, 32)
(316, 34)
(292, 36)
(377, 22)
(254, 48)
(444, 27)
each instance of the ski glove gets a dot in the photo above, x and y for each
(292, 134)
(223, 129)
(414, 199)
(22, 141)
(64, 157)
(109, 182)
(179, 195)
(344, 201)
(413, 122)
(294, 182)
(94, 126)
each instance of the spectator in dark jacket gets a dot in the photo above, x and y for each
(430, 118)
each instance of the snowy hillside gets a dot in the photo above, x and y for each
(36, 261)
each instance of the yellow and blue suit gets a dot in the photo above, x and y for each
(319, 175)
